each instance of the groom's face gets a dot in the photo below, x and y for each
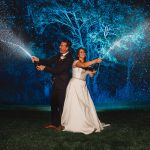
(63, 48)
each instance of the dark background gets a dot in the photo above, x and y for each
(39, 26)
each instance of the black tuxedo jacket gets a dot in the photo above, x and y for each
(60, 69)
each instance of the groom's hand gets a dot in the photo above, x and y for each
(40, 68)
(34, 59)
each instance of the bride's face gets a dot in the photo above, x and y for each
(82, 54)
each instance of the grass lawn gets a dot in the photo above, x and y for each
(23, 130)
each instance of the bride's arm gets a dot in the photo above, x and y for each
(88, 63)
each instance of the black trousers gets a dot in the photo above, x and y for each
(57, 103)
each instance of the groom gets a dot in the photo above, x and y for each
(59, 67)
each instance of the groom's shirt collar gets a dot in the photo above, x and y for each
(65, 53)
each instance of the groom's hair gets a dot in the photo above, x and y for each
(67, 42)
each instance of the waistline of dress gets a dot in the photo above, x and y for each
(78, 78)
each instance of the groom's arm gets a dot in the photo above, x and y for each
(65, 66)
(49, 61)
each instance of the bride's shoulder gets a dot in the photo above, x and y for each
(74, 63)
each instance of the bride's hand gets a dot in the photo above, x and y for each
(98, 60)
(92, 73)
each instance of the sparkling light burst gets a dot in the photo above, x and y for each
(130, 41)
(20, 47)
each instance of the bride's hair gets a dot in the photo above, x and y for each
(77, 58)
(78, 50)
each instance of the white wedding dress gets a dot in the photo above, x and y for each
(79, 114)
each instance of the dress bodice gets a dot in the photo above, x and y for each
(78, 73)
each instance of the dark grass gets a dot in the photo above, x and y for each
(23, 130)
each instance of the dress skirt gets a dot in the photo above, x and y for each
(79, 114)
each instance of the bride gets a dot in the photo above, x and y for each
(79, 114)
